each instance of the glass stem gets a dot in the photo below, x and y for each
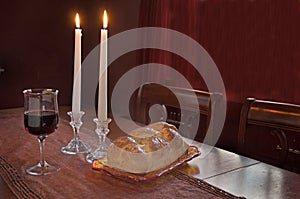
(42, 144)
(76, 131)
(102, 140)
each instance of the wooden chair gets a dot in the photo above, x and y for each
(282, 120)
(151, 93)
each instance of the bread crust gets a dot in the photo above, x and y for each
(146, 149)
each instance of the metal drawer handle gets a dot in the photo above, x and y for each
(294, 151)
(2, 70)
(278, 148)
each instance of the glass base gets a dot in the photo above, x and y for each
(99, 153)
(39, 170)
(76, 147)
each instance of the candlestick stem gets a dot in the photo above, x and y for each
(76, 145)
(102, 130)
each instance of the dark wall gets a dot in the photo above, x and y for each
(37, 42)
(256, 46)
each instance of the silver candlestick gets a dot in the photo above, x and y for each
(102, 130)
(76, 145)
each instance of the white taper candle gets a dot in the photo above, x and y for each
(102, 97)
(77, 69)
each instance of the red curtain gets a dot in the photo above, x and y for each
(178, 15)
(255, 44)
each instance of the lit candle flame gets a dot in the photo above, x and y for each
(105, 19)
(77, 20)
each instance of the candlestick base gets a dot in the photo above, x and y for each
(102, 130)
(76, 145)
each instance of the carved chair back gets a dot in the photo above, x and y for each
(151, 93)
(282, 120)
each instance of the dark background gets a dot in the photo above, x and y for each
(37, 42)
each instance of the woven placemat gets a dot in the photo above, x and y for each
(15, 182)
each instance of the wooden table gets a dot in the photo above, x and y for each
(238, 175)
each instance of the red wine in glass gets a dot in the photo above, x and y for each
(40, 122)
(41, 119)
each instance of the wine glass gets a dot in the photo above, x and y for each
(41, 119)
